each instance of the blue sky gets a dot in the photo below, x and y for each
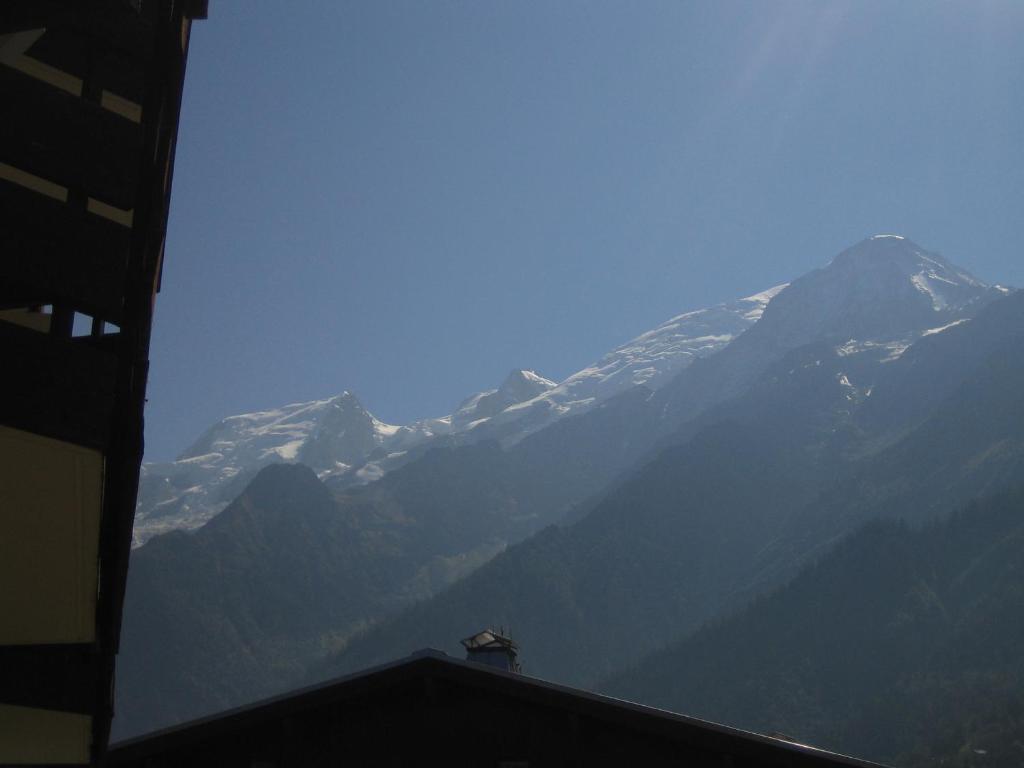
(409, 199)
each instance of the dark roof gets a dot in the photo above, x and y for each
(430, 664)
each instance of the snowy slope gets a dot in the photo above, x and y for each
(473, 412)
(871, 302)
(338, 438)
(884, 292)
(518, 387)
(527, 402)
(651, 359)
(329, 435)
(334, 436)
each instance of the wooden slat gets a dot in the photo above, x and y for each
(54, 253)
(67, 49)
(68, 140)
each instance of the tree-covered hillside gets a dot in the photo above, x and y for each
(756, 487)
(901, 645)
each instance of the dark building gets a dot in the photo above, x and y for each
(91, 93)
(431, 709)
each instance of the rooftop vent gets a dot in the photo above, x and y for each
(493, 649)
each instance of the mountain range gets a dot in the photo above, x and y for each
(601, 518)
(347, 445)
(743, 494)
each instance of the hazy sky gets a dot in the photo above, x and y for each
(408, 199)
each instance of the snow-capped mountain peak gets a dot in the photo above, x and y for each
(527, 381)
(282, 432)
(884, 287)
(942, 283)
(518, 386)
(329, 435)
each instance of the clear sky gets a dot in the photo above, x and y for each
(409, 199)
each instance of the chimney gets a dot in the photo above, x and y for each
(493, 649)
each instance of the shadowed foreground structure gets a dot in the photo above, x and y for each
(92, 94)
(431, 708)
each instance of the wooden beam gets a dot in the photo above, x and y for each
(90, 59)
(67, 140)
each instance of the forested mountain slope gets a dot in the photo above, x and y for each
(758, 486)
(900, 645)
(291, 569)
